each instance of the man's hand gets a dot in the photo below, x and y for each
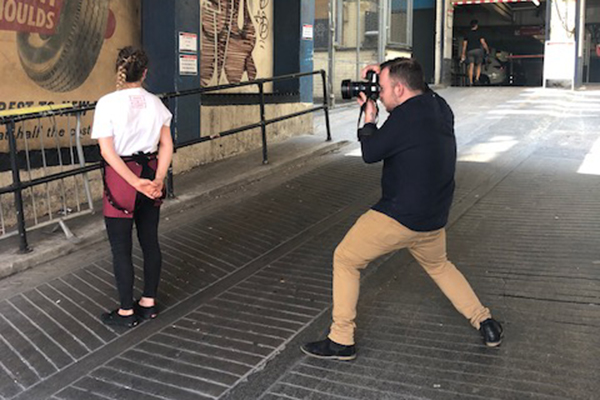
(370, 108)
(372, 67)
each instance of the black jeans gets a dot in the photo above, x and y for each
(145, 216)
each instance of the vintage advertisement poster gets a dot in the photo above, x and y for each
(59, 51)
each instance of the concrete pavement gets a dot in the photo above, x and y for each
(247, 276)
(201, 184)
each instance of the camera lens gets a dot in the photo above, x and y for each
(352, 89)
(346, 89)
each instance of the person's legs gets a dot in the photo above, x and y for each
(119, 236)
(430, 252)
(478, 57)
(470, 73)
(477, 72)
(146, 220)
(373, 235)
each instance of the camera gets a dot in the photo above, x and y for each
(370, 88)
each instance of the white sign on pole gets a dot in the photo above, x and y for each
(559, 60)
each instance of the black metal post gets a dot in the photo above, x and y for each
(170, 183)
(512, 72)
(326, 105)
(263, 126)
(12, 144)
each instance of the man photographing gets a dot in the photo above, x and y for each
(418, 149)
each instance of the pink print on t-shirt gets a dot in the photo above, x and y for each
(137, 102)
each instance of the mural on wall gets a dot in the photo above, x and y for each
(235, 39)
(60, 51)
(263, 23)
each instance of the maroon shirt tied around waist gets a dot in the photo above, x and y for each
(119, 196)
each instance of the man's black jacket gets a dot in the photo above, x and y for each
(418, 149)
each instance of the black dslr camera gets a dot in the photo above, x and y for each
(370, 88)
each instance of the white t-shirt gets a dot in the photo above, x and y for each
(133, 117)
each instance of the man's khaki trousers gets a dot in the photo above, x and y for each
(376, 234)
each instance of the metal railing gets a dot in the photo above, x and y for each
(79, 168)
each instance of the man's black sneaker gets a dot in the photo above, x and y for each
(491, 330)
(115, 319)
(327, 349)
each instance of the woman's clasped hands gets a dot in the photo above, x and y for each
(152, 189)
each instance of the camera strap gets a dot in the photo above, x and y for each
(362, 111)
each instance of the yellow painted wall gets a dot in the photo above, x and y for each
(213, 122)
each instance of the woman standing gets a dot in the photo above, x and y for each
(133, 130)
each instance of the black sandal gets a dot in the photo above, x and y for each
(145, 312)
(115, 319)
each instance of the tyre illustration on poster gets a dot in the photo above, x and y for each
(58, 41)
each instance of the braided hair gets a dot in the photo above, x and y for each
(130, 66)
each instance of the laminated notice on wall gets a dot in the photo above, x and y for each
(307, 32)
(188, 42)
(188, 64)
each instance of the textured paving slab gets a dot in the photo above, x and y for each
(539, 274)
(52, 333)
(524, 232)
(244, 285)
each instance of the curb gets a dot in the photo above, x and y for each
(94, 231)
(184, 200)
